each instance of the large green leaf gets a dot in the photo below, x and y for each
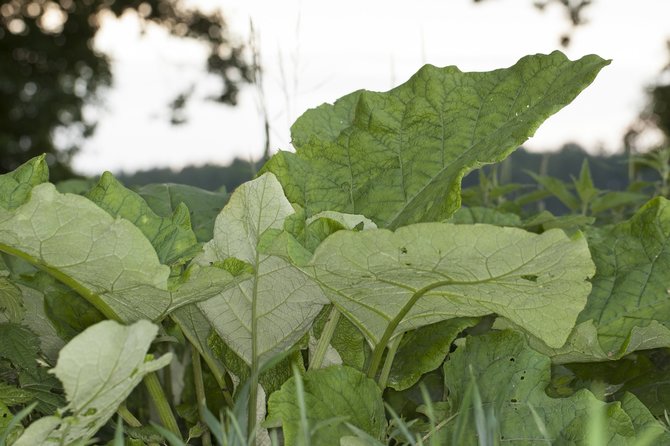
(172, 237)
(511, 378)
(628, 308)
(15, 186)
(334, 394)
(273, 309)
(424, 349)
(204, 205)
(106, 260)
(398, 157)
(98, 368)
(391, 282)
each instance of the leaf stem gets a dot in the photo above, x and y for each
(200, 394)
(378, 351)
(390, 355)
(324, 340)
(127, 416)
(84, 292)
(157, 395)
(214, 366)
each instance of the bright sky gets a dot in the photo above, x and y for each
(317, 51)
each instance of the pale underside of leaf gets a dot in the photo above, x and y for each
(628, 308)
(538, 281)
(108, 261)
(98, 368)
(273, 308)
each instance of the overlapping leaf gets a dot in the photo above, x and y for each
(98, 368)
(172, 237)
(538, 281)
(15, 186)
(511, 378)
(331, 396)
(203, 205)
(273, 308)
(628, 308)
(398, 157)
(107, 260)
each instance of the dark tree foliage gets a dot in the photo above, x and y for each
(49, 69)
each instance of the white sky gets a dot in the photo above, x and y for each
(317, 51)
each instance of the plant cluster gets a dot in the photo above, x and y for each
(344, 296)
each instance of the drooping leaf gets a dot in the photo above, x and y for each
(347, 340)
(204, 205)
(38, 322)
(270, 379)
(511, 378)
(197, 329)
(273, 309)
(628, 308)
(98, 368)
(423, 350)
(429, 272)
(108, 261)
(172, 237)
(398, 157)
(646, 374)
(15, 186)
(336, 394)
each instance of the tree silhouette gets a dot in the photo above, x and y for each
(50, 70)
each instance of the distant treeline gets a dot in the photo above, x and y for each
(608, 171)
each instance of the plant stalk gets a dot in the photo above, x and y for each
(378, 351)
(324, 340)
(128, 416)
(390, 355)
(200, 394)
(157, 395)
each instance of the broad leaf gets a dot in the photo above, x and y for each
(398, 157)
(172, 237)
(273, 309)
(204, 205)
(15, 186)
(334, 394)
(347, 341)
(108, 261)
(511, 378)
(628, 308)
(423, 350)
(391, 282)
(99, 368)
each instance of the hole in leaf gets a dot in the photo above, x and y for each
(531, 277)
(511, 359)
(514, 400)
(403, 250)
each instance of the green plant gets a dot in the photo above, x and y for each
(339, 297)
